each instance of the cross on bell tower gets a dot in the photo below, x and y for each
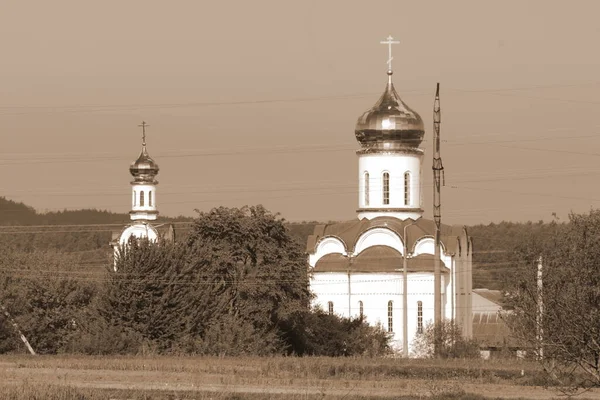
(390, 41)
(143, 125)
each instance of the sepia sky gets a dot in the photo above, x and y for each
(254, 102)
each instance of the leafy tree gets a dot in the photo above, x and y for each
(140, 300)
(46, 296)
(249, 272)
(570, 321)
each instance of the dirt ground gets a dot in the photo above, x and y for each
(205, 382)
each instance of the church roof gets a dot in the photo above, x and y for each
(350, 231)
(495, 296)
(376, 259)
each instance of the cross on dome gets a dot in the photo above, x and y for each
(390, 41)
(143, 125)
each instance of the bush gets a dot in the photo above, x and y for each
(452, 343)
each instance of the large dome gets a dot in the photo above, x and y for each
(144, 169)
(390, 123)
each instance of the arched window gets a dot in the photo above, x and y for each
(330, 307)
(386, 188)
(134, 198)
(367, 188)
(419, 317)
(390, 316)
(406, 188)
(142, 198)
(150, 198)
(360, 309)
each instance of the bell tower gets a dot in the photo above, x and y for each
(390, 159)
(143, 186)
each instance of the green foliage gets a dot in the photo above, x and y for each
(452, 342)
(237, 286)
(571, 299)
(43, 294)
(319, 333)
(253, 272)
(142, 297)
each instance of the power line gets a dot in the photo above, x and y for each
(132, 107)
(281, 150)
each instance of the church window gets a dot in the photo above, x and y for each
(419, 317)
(366, 189)
(406, 188)
(390, 316)
(386, 188)
(330, 307)
(142, 198)
(134, 198)
(360, 309)
(150, 198)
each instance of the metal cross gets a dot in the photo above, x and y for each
(390, 41)
(143, 125)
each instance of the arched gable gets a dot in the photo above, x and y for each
(327, 245)
(379, 237)
(426, 245)
(139, 231)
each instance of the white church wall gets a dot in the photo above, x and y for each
(375, 290)
(331, 286)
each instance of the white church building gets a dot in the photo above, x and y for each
(357, 266)
(144, 210)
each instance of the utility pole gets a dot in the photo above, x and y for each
(405, 294)
(540, 311)
(14, 324)
(351, 257)
(438, 170)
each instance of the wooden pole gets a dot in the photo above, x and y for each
(14, 324)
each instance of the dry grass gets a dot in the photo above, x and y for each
(317, 368)
(29, 391)
(162, 377)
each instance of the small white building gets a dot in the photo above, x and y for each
(357, 266)
(143, 202)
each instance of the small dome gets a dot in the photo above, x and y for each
(144, 169)
(390, 123)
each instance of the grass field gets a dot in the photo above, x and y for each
(161, 377)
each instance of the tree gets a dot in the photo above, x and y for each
(570, 320)
(141, 300)
(47, 295)
(250, 274)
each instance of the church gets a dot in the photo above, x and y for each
(143, 203)
(380, 266)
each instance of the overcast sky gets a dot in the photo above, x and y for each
(254, 102)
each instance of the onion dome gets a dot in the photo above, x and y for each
(144, 169)
(390, 123)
